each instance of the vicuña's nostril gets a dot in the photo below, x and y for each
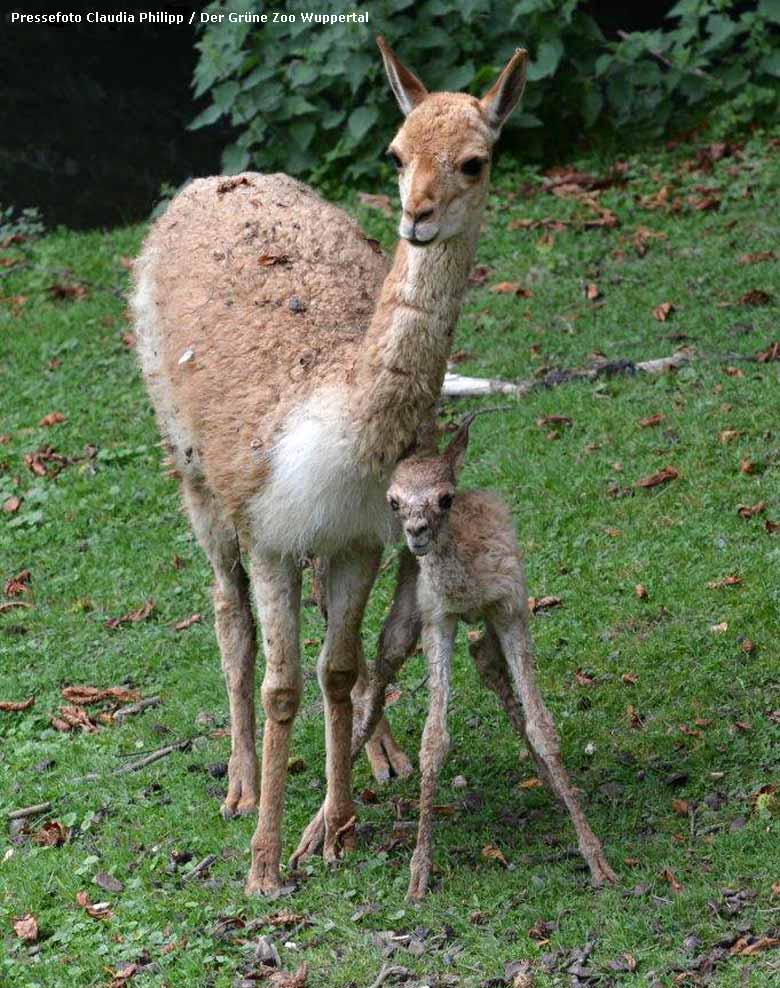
(415, 530)
(423, 215)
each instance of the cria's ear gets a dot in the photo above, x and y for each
(456, 451)
(504, 95)
(408, 89)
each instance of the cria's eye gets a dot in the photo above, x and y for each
(472, 167)
(395, 159)
(445, 502)
(393, 504)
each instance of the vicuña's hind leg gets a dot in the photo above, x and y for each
(277, 584)
(398, 639)
(542, 739)
(237, 638)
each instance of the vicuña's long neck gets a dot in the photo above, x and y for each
(401, 366)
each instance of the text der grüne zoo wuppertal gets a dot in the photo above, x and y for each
(200, 17)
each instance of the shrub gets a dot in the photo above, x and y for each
(311, 99)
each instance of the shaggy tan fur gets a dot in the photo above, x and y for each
(288, 378)
(471, 568)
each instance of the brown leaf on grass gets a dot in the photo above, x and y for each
(460, 356)
(52, 834)
(53, 418)
(668, 876)
(635, 719)
(747, 946)
(26, 928)
(97, 910)
(122, 975)
(129, 340)
(743, 725)
(14, 706)
(689, 731)
(630, 678)
(592, 291)
(286, 920)
(12, 504)
(728, 436)
(771, 353)
(732, 371)
(748, 466)
(537, 604)
(757, 257)
(18, 584)
(663, 311)
(188, 622)
(680, 806)
(652, 420)
(15, 301)
(725, 581)
(772, 527)
(747, 645)
(532, 783)
(662, 476)
(705, 203)
(380, 202)
(283, 979)
(269, 260)
(45, 462)
(642, 239)
(494, 853)
(70, 718)
(755, 296)
(720, 628)
(559, 421)
(67, 291)
(132, 617)
(582, 678)
(479, 274)
(751, 510)
(641, 591)
(83, 696)
(511, 288)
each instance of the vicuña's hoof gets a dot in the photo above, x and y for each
(600, 871)
(238, 807)
(263, 883)
(311, 840)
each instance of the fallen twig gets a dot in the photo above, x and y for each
(458, 386)
(200, 868)
(26, 811)
(136, 708)
(8, 604)
(389, 971)
(139, 763)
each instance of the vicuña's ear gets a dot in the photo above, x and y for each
(456, 451)
(408, 89)
(504, 95)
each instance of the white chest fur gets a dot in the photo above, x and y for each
(316, 501)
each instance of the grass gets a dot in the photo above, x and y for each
(106, 534)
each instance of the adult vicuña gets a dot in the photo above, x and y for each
(471, 569)
(285, 405)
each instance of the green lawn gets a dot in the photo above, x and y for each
(661, 700)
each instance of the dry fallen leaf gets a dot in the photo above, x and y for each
(494, 853)
(283, 979)
(747, 645)
(592, 291)
(532, 783)
(188, 622)
(53, 418)
(663, 311)
(269, 260)
(773, 527)
(725, 581)
(537, 604)
(635, 719)
(719, 629)
(668, 876)
(122, 975)
(748, 466)
(641, 591)
(97, 910)
(769, 354)
(652, 420)
(511, 288)
(72, 290)
(70, 718)
(18, 584)
(141, 614)
(12, 504)
(755, 297)
(747, 946)
(757, 257)
(750, 510)
(630, 678)
(52, 834)
(729, 435)
(680, 806)
(26, 928)
(14, 706)
(83, 696)
(662, 476)
(554, 420)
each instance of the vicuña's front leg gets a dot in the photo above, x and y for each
(350, 578)
(398, 640)
(277, 583)
(543, 741)
(438, 642)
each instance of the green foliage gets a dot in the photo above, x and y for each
(16, 224)
(311, 99)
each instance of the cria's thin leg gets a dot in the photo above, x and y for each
(398, 639)
(277, 583)
(491, 666)
(438, 640)
(350, 578)
(237, 638)
(542, 739)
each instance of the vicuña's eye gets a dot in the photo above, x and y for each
(394, 504)
(472, 167)
(445, 502)
(395, 159)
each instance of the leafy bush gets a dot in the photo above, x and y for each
(312, 99)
